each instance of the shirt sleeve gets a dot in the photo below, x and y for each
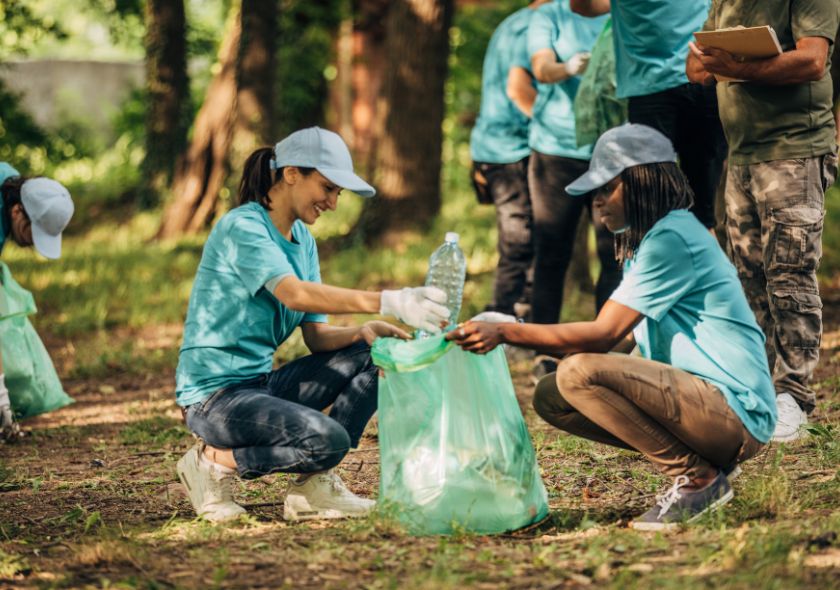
(661, 274)
(521, 57)
(815, 18)
(711, 20)
(314, 276)
(253, 256)
(541, 31)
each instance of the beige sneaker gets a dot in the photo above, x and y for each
(323, 495)
(209, 487)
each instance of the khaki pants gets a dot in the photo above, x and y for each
(678, 421)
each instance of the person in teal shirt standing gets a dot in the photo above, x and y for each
(559, 43)
(651, 46)
(33, 212)
(499, 150)
(700, 400)
(258, 280)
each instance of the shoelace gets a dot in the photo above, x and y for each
(666, 500)
(225, 482)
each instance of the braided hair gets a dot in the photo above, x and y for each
(651, 191)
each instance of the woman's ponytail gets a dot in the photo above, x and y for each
(257, 178)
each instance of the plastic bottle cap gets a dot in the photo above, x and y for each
(451, 236)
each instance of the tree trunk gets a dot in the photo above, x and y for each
(255, 78)
(201, 176)
(408, 160)
(168, 87)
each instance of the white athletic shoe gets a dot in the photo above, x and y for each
(790, 419)
(323, 495)
(209, 487)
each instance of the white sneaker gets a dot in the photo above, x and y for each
(790, 419)
(9, 429)
(323, 495)
(209, 487)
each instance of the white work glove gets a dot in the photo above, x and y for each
(494, 317)
(577, 63)
(9, 429)
(420, 307)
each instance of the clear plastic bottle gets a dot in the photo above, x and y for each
(447, 271)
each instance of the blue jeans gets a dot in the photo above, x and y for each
(274, 421)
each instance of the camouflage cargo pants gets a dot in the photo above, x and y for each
(774, 223)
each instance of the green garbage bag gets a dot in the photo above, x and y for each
(455, 452)
(597, 109)
(34, 387)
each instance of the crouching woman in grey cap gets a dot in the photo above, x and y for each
(258, 280)
(33, 212)
(701, 400)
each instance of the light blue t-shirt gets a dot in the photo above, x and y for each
(500, 135)
(234, 325)
(697, 317)
(6, 171)
(555, 26)
(651, 42)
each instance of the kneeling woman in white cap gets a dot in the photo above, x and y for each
(258, 280)
(701, 400)
(33, 212)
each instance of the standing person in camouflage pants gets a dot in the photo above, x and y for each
(782, 158)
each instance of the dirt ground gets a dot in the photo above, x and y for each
(90, 499)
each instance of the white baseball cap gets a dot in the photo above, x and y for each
(49, 207)
(326, 152)
(620, 148)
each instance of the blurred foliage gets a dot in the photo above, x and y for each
(21, 28)
(305, 60)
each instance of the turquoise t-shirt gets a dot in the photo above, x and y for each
(234, 324)
(6, 171)
(555, 26)
(651, 42)
(500, 135)
(697, 317)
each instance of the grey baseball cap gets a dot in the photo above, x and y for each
(619, 148)
(49, 207)
(326, 152)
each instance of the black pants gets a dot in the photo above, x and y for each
(688, 116)
(556, 216)
(508, 186)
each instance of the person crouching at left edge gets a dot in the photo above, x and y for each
(33, 212)
(258, 280)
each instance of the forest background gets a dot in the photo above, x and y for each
(400, 80)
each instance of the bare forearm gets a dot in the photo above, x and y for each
(560, 338)
(551, 72)
(792, 67)
(326, 338)
(319, 298)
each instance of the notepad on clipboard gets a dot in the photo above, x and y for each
(746, 43)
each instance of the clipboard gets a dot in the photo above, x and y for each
(747, 43)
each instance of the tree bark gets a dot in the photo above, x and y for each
(408, 159)
(255, 77)
(167, 83)
(200, 178)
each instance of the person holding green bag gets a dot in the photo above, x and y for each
(33, 212)
(259, 279)
(701, 401)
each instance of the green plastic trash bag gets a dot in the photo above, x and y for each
(34, 387)
(597, 109)
(455, 452)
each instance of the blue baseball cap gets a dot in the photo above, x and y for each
(326, 152)
(49, 207)
(620, 148)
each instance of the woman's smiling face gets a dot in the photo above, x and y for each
(313, 195)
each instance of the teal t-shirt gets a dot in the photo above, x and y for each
(234, 324)
(555, 26)
(697, 317)
(500, 135)
(6, 171)
(651, 42)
